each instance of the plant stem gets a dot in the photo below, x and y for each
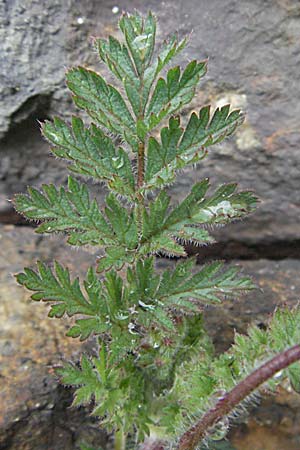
(120, 439)
(140, 179)
(192, 437)
(141, 165)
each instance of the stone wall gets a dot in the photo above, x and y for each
(254, 63)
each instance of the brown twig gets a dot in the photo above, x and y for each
(193, 436)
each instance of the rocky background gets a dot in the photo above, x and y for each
(254, 63)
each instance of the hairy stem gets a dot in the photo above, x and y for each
(140, 179)
(141, 165)
(192, 437)
(120, 440)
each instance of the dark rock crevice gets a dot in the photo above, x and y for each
(243, 250)
(52, 423)
(33, 109)
(226, 250)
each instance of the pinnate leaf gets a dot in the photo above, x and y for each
(95, 304)
(87, 377)
(224, 205)
(92, 153)
(103, 102)
(140, 38)
(72, 211)
(132, 62)
(66, 210)
(183, 223)
(180, 147)
(115, 399)
(64, 295)
(180, 289)
(208, 285)
(172, 93)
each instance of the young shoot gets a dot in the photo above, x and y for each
(155, 371)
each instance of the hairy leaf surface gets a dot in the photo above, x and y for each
(58, 288)
(180, 289)
(140, 38)
(72, 211)
(116, 400)
(103, 102)
(92, 153)
(183, 223)
(67, 210)
(179, 147)
(156, 365)
(206, 377)
(132, 62)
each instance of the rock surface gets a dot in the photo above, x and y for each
(254, 64)
(278, 285)
(35, 411)
(271, 428)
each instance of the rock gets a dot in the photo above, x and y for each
(254, 64)
(33, 40)
(274, 424)
(278, 285)
(252, 57)
(39, 41)
(270, 428)
(31, 37)
(35, 411)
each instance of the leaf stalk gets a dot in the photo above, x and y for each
(140, 180)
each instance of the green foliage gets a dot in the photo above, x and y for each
(209, 377)
(154, 365)
(117, 393)
(102, 102)
(60, 289)
(180, 147)
(92, 153)
(172, 93)
(145, 300)
(87, 447)
(72, 211)
(116, 229)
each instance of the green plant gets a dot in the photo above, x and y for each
(155, 371)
